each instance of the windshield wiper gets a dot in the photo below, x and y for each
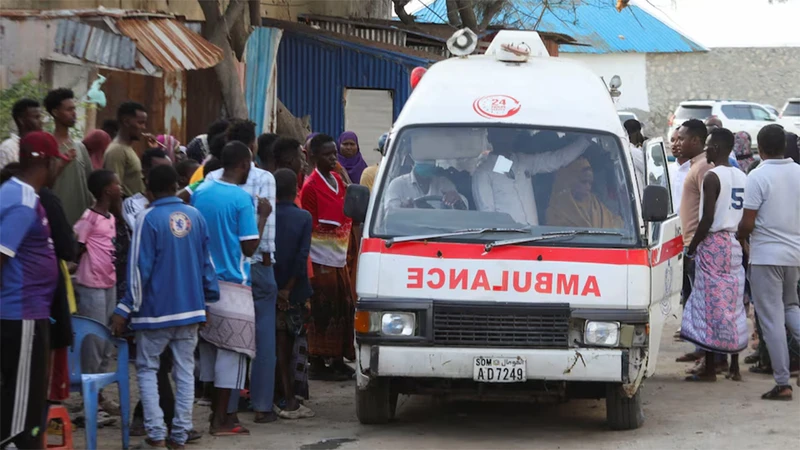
(423, 237)
(556, 234)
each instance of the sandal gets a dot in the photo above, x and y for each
(775, 394)
(265, 417)
(752, 358)
(303, 412)
(237, 430)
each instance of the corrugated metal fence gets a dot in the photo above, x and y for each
(313, 73)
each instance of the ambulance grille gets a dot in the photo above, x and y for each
(494, 326)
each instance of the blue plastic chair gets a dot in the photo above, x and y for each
(89, 385)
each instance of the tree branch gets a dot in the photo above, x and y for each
(254, 8)
(452, 13)
(467, 13)
(489, 11)
(400, 10)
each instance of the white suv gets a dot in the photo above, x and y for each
(790, 115)
(735, 115)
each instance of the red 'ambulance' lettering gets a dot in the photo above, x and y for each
(519, 281)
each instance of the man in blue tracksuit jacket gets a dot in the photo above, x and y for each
(170, 279)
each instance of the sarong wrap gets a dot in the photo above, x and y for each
(231, 321)
(714, 316)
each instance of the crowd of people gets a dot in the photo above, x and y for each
(245, 236)
(231, 259)
(740, 218)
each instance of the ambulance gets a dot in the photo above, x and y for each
(508, 252)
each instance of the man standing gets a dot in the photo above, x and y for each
(678, 171)
(691, 142)
(27, 116)
(71, 185)
(29, 279)
(170, 259)
(120, 156)
(772, 217)
(715, 123)
(230, 336)
(260, 184)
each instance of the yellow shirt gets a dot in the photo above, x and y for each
(197, 176)
(368, 176)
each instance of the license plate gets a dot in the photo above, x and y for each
(499, 369)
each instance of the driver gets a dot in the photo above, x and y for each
(424, 180)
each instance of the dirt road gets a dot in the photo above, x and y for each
(679, 415)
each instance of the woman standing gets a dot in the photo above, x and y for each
(350, 156)
(330, 332)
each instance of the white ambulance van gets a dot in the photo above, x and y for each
(507, 253)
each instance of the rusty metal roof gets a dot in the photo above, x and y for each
(170, 45)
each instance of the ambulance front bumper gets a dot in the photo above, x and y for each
(580, 364)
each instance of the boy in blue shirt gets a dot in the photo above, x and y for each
(293, 242)
(229, 338)
(169, 259)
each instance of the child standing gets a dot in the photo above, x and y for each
(96, 278)
(292, 241)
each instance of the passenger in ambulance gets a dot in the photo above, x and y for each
(504, 181)
(425, 187)
(574, 205)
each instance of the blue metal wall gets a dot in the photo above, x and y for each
(313, 72)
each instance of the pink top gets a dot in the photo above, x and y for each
(97, 233)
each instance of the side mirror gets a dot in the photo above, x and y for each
(356, 202)
(772, 117)
(655, 203)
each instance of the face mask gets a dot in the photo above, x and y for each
(425, 170)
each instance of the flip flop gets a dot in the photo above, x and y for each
(303, 412)
(237, 430)
(699, 379)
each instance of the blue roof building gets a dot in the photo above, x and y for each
(595, 24)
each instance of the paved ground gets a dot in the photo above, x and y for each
(679, 415)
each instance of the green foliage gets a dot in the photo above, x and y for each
(27, 87)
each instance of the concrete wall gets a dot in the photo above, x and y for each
(762, 75)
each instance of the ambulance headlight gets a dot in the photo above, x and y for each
(605, 334)
(398, 324)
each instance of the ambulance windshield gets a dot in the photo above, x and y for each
(447, 178)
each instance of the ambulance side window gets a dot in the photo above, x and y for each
(656, 166)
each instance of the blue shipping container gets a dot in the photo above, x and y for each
(315, 70)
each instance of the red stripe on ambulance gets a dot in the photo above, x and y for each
(450, 250)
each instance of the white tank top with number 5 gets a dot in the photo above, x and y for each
(730, 203)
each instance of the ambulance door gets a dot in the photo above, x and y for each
(665, 246)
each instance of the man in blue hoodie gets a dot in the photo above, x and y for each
(170, 280)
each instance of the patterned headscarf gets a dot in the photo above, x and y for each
(743, 151)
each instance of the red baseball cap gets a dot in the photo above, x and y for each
(39, 144)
